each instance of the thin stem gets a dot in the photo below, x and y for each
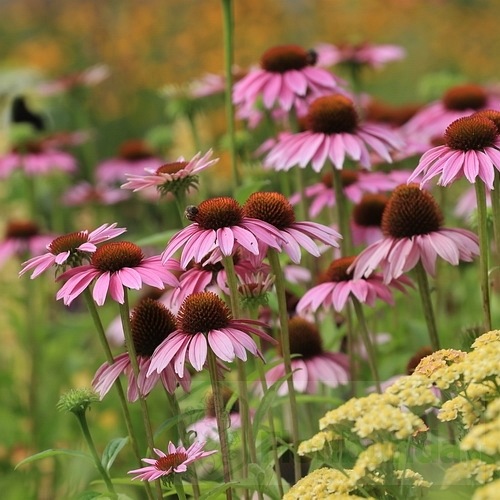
(482, 225)
(194, 131)
(495, 207)
(285, 347)
(179, 487)
(425, 297)
(342, 213)
(365, 337)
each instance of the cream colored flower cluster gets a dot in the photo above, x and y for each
(477, 470)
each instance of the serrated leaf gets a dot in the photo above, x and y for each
(111, 452)
(54, 453)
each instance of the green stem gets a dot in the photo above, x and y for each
(495, 207)
(179, 487)
(342, 213)
(285, 347)
(228, 28)
(90, 443)
(425, 297)
(482, 225)
(365, 337)
(194, 131)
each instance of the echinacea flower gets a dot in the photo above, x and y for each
(286, 76)
(338, 285)
(367, 219)
(71, 249)
(275, 209)
(114, 266)
(412, 224)
(334, 132)
(174, 177)
(313, 365)
(85, 193)
(151, 323)
(219, 223)
(176, 461)
(471, 150)
(205, 322)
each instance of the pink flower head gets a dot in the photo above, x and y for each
(412, 224)
(151, 323)
(175, 461)
(367, 219)
(204, 321)
(471, 150)
(314, 366)
(175, 177)
(275, 209)
(219, 223)
(467, 203)
(114, 266)
(85, 193)
(338, 285)
(71, 249)
(334, 132)
(286, 77)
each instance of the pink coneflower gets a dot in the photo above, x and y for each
(219, 223)
(334, 132)
(71, 249)
(338, 285)
(36, 158)
(471, 150)
(412, 224)
(467, 203)
(395, 116)
(367, 219)
(84, 193)
(314, 366)
(151, 323)
(175, 461)
(205, 322)
(175, 177)
(114, 266)
(286, 77)
(134, 156)
(22, 239)
(275, 209)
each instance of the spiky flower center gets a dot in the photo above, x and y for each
(21, 229)
(227, 394)
(347, 177)
(172, 168)
(202, 312)
(151, 323)
(286, 57)
(411, 211)
(171, 461)
(471, 133)
(337, 270)
(492, 115)
(68, 242)
(304, 338)
(216, 213)
(135, 150)
(368, 212)
(273, 208)
(112, 257)
(334, 114)
(463, 97)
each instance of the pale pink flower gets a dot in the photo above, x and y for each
(71, 249)
(114, 266)
(334, 133)
(467, 203)
(176, 461)
(412, 224)
(205, 322)
(84, 193)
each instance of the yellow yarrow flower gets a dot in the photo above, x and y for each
(412, 477)
(432, 365)
(318, 442)
(477, 470)
(487, 338)
(484, 438)
(371, 458)
(413, 391)
(488, 492)
(320, 484)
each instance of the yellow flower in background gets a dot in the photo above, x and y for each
(371, 459)
(318, 442)
(412, 477)
(488, 492)
(477, 470)
(413, 390)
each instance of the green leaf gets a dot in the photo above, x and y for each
(111, 452)
(156, 239)
(244, 191)
(172, 421)
(218, 490)
(54, 453)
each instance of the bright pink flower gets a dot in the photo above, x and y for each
(337, 286)
(334, 133)
(219, 223)
(412, 226)
(286, 77)
(471, 150)
(175, 461)
(205, 322)
(85, 193)
(71, 249)
(114, 266)
(275, 209)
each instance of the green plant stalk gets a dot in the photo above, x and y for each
(129, 341)
(342, 214)
(191, 119)
(285, 347)
(179, 487)
(495, 207)
(365, 337)
(425, 297)
(482, 226)
(220, 415)
(228, 30)
(97, 461)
